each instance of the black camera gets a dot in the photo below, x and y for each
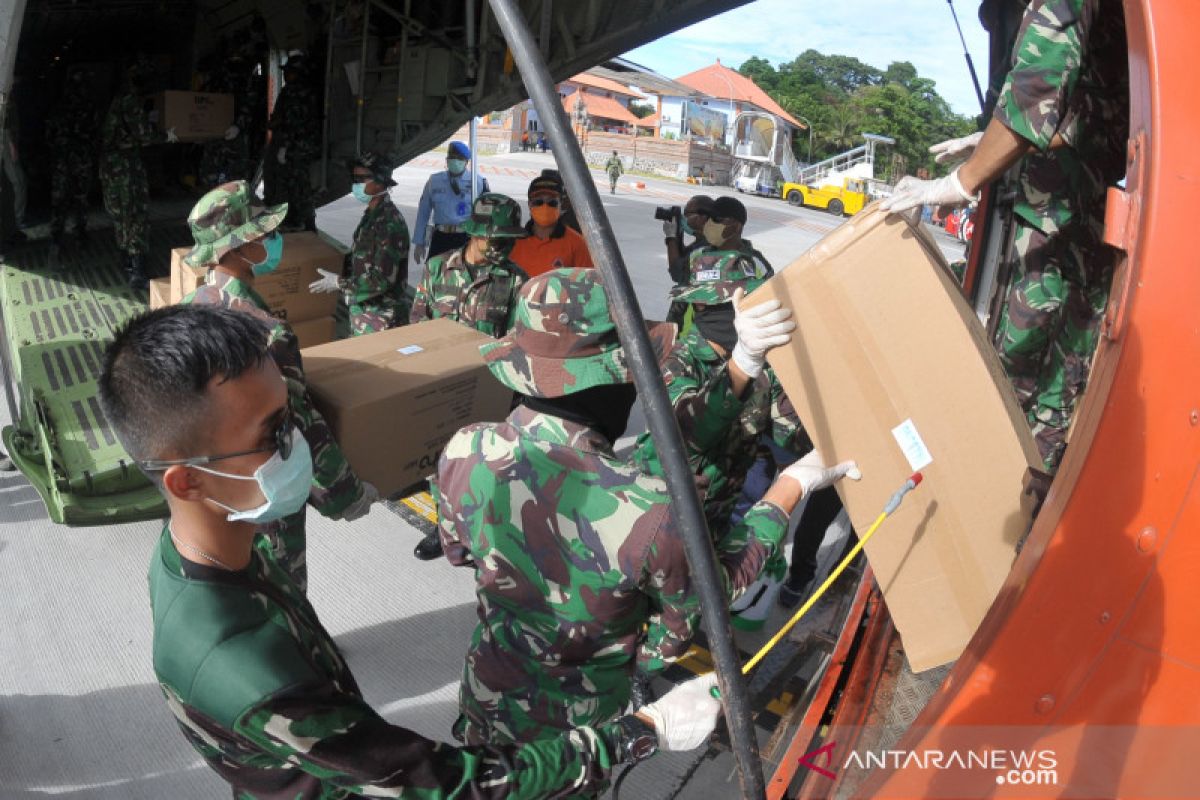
(668, 213)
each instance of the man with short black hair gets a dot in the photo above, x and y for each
(256, 683)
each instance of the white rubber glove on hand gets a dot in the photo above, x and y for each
(328, 282)
(685, 717)
(812, 474)
(231, 132)
(911, 192)
(171, 137)
(953, 150)
(281, 155)
(759, 329)
(419, 252)
(362, 506)
(671, 229)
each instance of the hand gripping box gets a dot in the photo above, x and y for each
(286, 288)
(394, 398)
(890, 366)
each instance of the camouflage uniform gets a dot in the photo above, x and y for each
(376, 289)
(580, 567)
(295, 124)
(125, 131)
(224, 159)
(615, 169)
(71, 132)
(334, 486)
(1069, 77)
(483, 296)
(721, 430)
(262, 693)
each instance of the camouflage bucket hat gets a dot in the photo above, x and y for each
(564, 339)
(225, 220)
(714, 279)
(495, 216)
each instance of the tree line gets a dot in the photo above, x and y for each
(843, 97)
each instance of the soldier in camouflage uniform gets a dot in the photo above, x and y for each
(228, 158)
(1064, 107)
(125, 131)
(257, 685)
(477, 284)
(239, 242)
(726, 399)
(376, 288)
(71, 133)
(580, 567)
(295, 143)
(615, 170)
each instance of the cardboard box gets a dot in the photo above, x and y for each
(160, 292)
(889, 363)
(313, 332)
(285, 289)
(394, 398)
(195, 116)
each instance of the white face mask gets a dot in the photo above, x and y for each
(284, 483)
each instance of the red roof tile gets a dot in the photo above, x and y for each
(606, 84)
(719, 81)
(600, 107)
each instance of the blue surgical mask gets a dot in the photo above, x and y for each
(683, 225)
(273, 244)
(284, 484)
(359, 190)
(456, 166)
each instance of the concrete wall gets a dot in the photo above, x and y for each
(673, 159)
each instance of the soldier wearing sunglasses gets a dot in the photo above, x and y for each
(551, 244)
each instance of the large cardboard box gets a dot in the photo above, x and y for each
(160, 292)
(285, 289)
(890, 366)
(195, 116)
(313, 332)
(394, 398)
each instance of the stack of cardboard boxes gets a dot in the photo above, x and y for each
(285, 289)
(194, 116)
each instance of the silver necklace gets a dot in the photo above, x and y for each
(199, 552)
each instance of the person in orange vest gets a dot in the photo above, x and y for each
(550, 244)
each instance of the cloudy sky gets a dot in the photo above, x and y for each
(877, 32)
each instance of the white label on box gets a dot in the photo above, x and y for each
(912, 445)
(408, 350)
(708, 275)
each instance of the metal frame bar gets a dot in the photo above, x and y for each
(11, 19)
(651, 389)
(361, 100)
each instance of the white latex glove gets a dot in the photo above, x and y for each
(671, 229)
(328, 282)
(956, 149)
(281, 155)
(684, 717)
(419, 251)
(911, 192)
(171, 137)
(362, 506)
(812, 474)
(231, 132)
(759, 329)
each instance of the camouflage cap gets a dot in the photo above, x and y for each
(379, 165)
(224, 220)
(715, 276)
(564, 339)
(495, 216)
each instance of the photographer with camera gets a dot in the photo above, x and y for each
(676, 222)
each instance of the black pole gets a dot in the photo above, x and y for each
(967, 55)
(647, 377)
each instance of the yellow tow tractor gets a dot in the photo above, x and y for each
(849, 198)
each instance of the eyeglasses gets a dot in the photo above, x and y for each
(543, 201)
(281, 442)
